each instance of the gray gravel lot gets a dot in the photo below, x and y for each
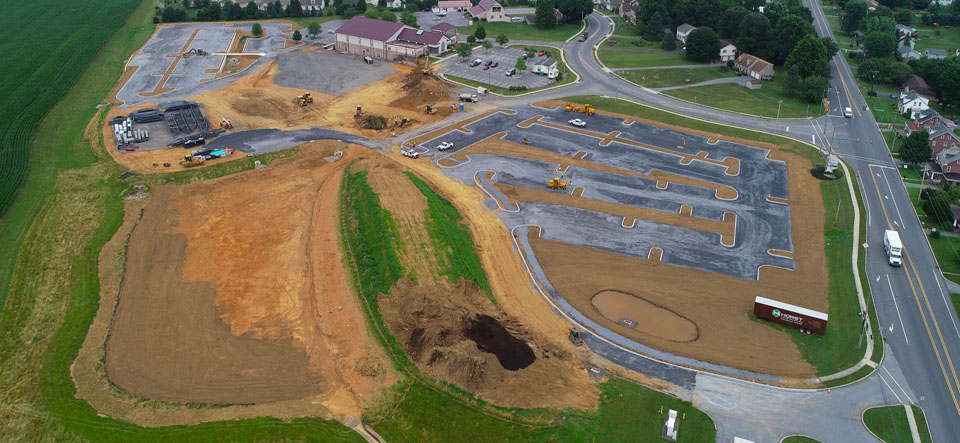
(328, 71)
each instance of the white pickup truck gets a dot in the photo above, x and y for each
(893, 247)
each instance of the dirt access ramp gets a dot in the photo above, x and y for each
(234, 293)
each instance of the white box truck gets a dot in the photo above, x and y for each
(893, 247)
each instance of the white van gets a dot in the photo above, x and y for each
(893, 247)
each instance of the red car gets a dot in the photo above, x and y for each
(495, 64)
(130, 149)
(486, 67)
(541, 53)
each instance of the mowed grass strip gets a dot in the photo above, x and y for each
(661, 78)
(889, 423)
(837, 349)
(761, 102)
(799, 439)
(523, 31)
(614, 58)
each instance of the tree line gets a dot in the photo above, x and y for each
(207, 10)
(573, 11)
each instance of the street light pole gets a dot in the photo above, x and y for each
(778, 108)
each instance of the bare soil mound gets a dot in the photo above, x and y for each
(644, 316)
(457, 335)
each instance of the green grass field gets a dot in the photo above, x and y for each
(633, 42)
(955, 299)
(799, 439)
(613, 58)
(947, 251)
(523, 31)
(761, 102)
(837, 349)
(660, 78)
(928, 38)
(890, 423)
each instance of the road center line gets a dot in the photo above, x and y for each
(895, 306)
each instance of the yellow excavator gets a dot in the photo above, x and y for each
(429, 110)
(190, 161)
(425, 64)
(558, 183)
(302, 100)
(586, 109)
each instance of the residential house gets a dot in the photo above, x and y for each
(489, 10)
(906, 53)
(915, 83)
(683, 31)
(628, 10)
(926, 120)
(610, 4)
(453, 6)
(755, 67)
(945, 166)
(728, 51)
(913, 103)
(307, 5)
(905, 36)
(446, 29)
(941, 137)
(383, 40)
(944, 2)
(872, 5)
(936, 54)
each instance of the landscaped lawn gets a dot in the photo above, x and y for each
(947, 251)
(762, 102)
(889, 110)
(948, 39)
(660, 78)
(633, 42)
(642, 59)
(890, 423)
(909, 175)
(955, 299)
(523, 31)
(799, 439)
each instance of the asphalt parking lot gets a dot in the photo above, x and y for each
(760, 225)
(507, 58)
(426, 19)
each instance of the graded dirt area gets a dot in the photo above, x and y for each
(234, 293)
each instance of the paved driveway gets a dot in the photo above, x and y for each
(507, 58)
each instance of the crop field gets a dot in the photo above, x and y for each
(37, 72)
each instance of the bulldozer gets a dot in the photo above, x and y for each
(525, 141)
(225, 124)
(400, 121)
(190, 161)
(429, 110)
(575, 337)
(303, 99)
(586, 108)
(558, 183)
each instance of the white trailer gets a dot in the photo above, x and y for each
(893, 247)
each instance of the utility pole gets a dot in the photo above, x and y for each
(778, 108)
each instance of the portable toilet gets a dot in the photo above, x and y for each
(461, 107)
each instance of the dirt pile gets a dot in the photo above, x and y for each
(422, 90)
(457, 335)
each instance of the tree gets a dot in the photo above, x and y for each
(209, 13)
(314, 28)
(388, 16)
(653, 27)
(463, 50)
(904, 17)
(853, 13)
(382, 4)
(409, 19)
(278, 9)
(574, 10)
(897, 72)
(730, 21)
(793, 83)
(810, 57)
(753, 5)
(297, 36)
(480, 33)
(502, 40)
(294, 9)
(669, 41)
(916, 148)
(471, 40)
(487, 44)
(754, 35)
(879, 23)
(172, 15)
(521, 64)
(361, 6)
(257, 30)
(372, 13)
(937, 203)
(879, 44)
(789, 31)
(831, 45)
(774, 11)
(813, 88)
(702, 44)
(544, 17)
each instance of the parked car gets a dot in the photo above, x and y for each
(495, 64)
(578, 123)
(516, 19)
(486, 67)
(488, 63)
(444, 146)
(510, 72)
(476, 63)
(541, 53)
(332, 31)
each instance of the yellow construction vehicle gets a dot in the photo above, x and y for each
(425, 64)
(225, 124)
(309, 97)
(359, 112)
(558, 183)
(586, 109)
(576, 337)
(525, 141)
(429, 110)
(190, 161)
(400, 121)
